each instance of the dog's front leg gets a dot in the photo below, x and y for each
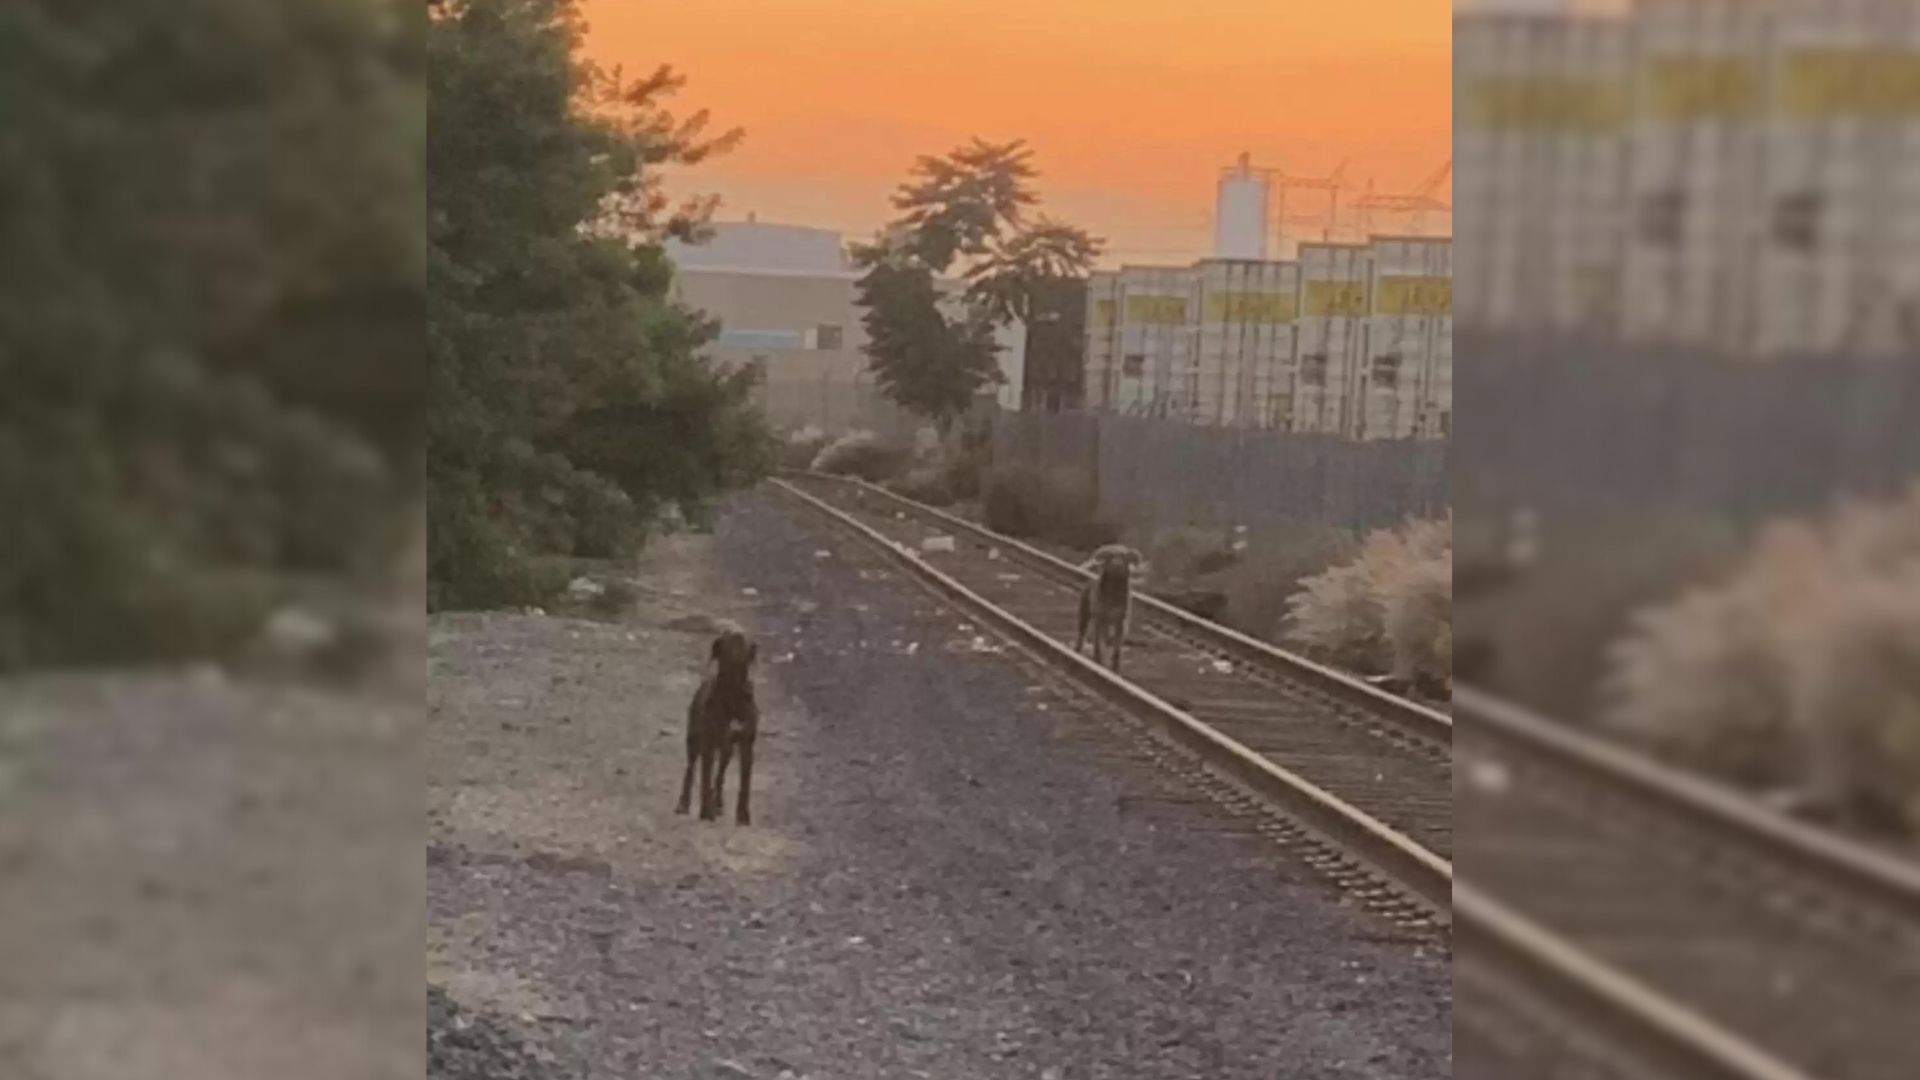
(720, 775)
(707, 809)
(686, 782)
(744, 815)
(1080, 639)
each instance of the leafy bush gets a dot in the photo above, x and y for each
(1054, 505)
(1800, 670)
(1388, 610)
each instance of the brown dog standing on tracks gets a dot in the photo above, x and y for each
(1106, 604)
(723, 719)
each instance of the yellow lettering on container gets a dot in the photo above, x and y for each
(1335, 298)
(1863, 83)
(1405, 295)
(1270, 307)
(1544, 104)
(1157, 310)
(1701, 88)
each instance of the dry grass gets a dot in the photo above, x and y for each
(1799, 671)
(862, 454)
(799, 447)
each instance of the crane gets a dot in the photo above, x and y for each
(1417, 203)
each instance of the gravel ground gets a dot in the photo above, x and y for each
(208, 878)
(954, 871)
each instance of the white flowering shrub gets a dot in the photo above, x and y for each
(1798, 673)
(1389, 610)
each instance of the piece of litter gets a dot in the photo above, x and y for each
(993, 553)
(912, 648)
(939, 543)
(823, 554)
(749, 591)
(1224, 667)
(1006, 577)
(1490, 776)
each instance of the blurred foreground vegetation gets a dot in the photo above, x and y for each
(210, 314)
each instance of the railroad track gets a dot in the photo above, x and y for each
(1661, 926)
(1370, 771)
(1803, 946)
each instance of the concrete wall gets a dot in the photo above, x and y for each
(1156, 472)
(1573, 426)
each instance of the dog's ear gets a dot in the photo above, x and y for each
(753, 651)
(719, 647)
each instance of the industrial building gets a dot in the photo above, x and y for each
(785, 296)
(1741, 176)
(1354, 340)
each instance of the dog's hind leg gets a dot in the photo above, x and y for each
(744, 815)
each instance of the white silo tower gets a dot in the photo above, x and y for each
(1240, 213)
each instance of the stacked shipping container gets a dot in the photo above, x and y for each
(1839, 260)
(1408, 379)
(1352, 340)
(1539, 117)
(1751, 168)
(1694, 166)
(1333, 316)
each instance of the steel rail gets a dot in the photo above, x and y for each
(1412, 867)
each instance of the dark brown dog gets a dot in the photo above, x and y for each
(722, 720)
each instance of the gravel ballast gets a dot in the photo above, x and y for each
(955, 870)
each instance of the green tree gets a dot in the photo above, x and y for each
(961, 259)
(210, 314)
(569, 401)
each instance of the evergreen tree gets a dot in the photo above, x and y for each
(569, 402)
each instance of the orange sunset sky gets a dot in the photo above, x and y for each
(1132, 106)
